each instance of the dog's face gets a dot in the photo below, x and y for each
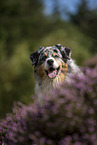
(51, 62)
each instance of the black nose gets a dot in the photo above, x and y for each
(50, 61)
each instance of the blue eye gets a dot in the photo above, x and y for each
(44, 58)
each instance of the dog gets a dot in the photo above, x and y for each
(52, 66)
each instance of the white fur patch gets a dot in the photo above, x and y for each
(55, 64)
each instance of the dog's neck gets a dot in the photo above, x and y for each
(47, 85)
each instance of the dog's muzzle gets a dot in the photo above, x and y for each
(51, 68)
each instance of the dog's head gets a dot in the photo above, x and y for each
(50, 61)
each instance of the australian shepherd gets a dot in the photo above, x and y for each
(52, 66)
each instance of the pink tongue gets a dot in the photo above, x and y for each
(52, 74)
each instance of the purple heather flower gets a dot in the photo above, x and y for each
(67, 117)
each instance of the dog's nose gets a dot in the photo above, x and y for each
(50, 61)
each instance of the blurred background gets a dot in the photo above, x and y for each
(26, 25)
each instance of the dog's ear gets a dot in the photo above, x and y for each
(66, 53)
(58, 46)
(34, 57)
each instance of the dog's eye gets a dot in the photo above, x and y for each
(44, 57)
(55, 51)
(56, 56)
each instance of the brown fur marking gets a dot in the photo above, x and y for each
(41, 72)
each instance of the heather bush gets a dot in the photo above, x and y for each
(67, 117)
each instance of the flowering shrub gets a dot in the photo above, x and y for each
(67, 117)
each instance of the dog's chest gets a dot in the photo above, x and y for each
(46, 86)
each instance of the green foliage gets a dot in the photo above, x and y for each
(86, 20)
(71, 37)
(16, 81)
(20, 20)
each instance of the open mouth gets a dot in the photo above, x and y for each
(52, 72)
